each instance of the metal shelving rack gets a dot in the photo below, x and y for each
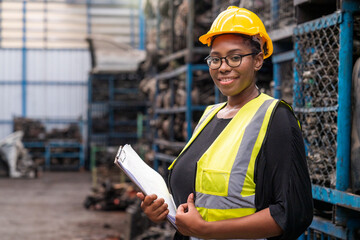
(38, 41)
(322, 101)
(161, 159)
(115, 108)
(282, 19)
(45, 39)
(313, 56)
(63, 149)
(188, 109)
(113, 117)
(314, 51)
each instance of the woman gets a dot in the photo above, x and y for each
(243, 174)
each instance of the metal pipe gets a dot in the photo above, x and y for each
(142, 27)
(297, 97)
(132, 27)
(24, 63)
(274, 13)
(277, 80)
(344, 113)
(88, 16)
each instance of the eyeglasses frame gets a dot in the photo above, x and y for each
(226, 60)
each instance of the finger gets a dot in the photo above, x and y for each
(159, 206)
(163, 215)
(148, 200)
(182, 208)
(146, 203)
(160, 210)
(190, 201)
(158, 203)
(140, 195)
(156, 207)
(190, 198)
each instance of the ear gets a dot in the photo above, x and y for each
(258, 61)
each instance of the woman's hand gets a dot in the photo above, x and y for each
(155, 209)
(189, 221)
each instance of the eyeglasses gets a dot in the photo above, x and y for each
(233, 60)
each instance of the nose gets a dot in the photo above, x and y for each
(224, 66)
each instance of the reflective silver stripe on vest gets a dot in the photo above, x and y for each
(219, 202)
(206, 115)
(239, 169)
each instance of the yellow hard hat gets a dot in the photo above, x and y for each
(240, 20)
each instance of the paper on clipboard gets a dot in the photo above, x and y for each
(145, 177)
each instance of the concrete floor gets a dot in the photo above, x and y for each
(51, 207)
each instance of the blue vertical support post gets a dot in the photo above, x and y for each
(89, 120)
(81, 148)
(274, 11)
(297, 98)
(88, 16)
(142, 27)
(277, 80)
(188, 114)
(24, 63)
(277, 60)
(89, 127)
(132, 26)
(81, 157)
(47, 156)
(344, 113)
(139, 125)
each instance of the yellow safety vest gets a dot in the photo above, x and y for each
(224, 182)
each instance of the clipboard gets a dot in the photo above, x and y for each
(146, 178)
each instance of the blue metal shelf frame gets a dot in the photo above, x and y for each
(344, 106)
(277, 60)
(189, 82)
(338, 196)
(24, 63)
(325, 228)
(142, 27)
(188, 109)
(56, 144)
(109, 106)
(47, 145)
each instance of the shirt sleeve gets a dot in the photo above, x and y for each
(282, 178)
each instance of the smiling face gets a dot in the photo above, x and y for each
(239, 81)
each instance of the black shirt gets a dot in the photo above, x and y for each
(281, 174)
(182, 180)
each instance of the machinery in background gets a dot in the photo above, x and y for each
(15, 161)
(110, 196)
